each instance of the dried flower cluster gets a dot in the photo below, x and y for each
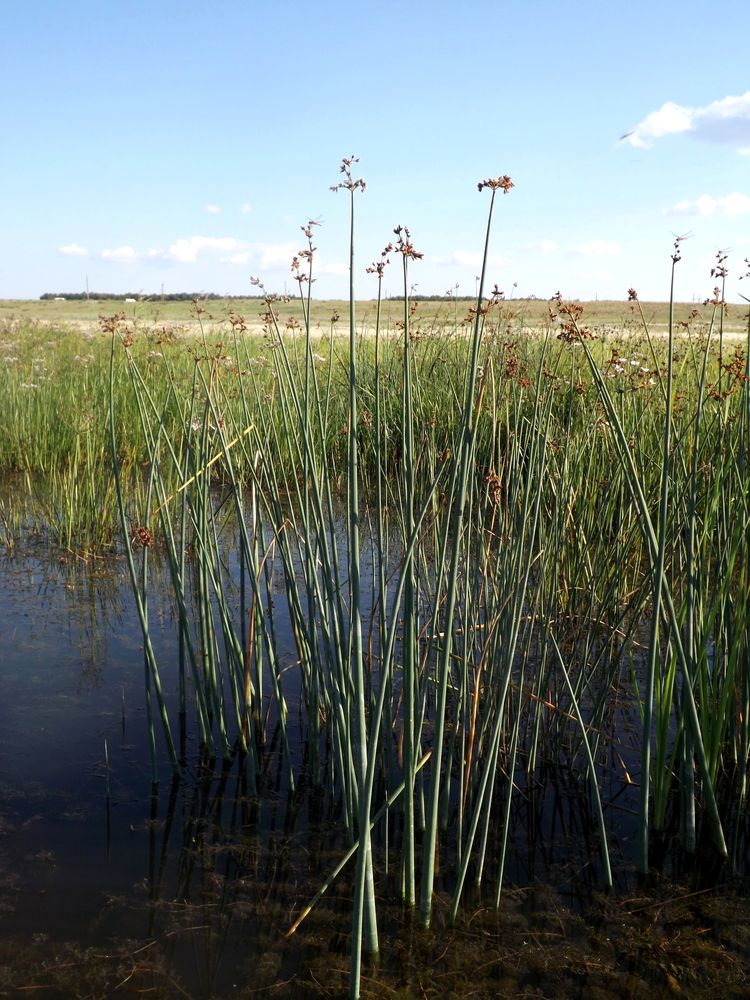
(503, 184)
(349, 184)
(305, 256)
(404, 244)
(110, 324)
(237, 322)
(570, 313)
(676, 256)
(494, 488)
(716, 299)
(720, 269)
(735, 368)
(140, 535)
(378, 266)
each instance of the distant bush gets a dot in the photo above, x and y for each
(124, 296)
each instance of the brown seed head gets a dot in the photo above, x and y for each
(720, 270)
(494, 488)
(378, 266)
(140, 535)
(349, 184)
(503, 183)
(404, 244)
(676, 256)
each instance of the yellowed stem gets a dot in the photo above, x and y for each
(205, 468)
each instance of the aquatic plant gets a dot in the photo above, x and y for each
(429, 571)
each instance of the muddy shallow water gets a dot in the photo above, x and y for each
(111, 888)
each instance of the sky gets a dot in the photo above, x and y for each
(181, 146)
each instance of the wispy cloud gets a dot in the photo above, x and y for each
(726, 120)
(186, 251)
(543, 246)
(278, 257)
(182, 251)
(467, 258)
(729, 205)
(72, 250)
(225, 249)
(212, 209)
(273, 256)
(265, 256)
(598, 248)
(245, 207)
(338, 269)
(122, 255)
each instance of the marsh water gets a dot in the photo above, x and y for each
(110, 886)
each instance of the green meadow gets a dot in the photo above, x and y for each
(431, 313)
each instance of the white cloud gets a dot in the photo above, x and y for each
(467, 258)
(129, 255)
(278, 257)
(227, 249)
(668, 120)
(744, 150)
(337, 269)
(272, 256)
(73, 250)
(726, 120)
(212, 209)
(730, 205)
(186, 251)
(243, 257)
(543, 246)
(245, 207)
(121, 255)
(182, 251)
(598, 248)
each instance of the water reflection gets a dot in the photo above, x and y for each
(187, 890)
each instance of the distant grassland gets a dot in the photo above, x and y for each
(520, 314)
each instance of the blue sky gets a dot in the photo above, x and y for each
(183, 144)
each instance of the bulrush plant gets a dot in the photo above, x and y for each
(694, 688)
(454, 564)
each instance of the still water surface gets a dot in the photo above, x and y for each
(108, 887)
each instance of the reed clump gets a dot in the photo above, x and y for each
(450, 563)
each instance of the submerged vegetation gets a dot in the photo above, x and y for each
(509, 560)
